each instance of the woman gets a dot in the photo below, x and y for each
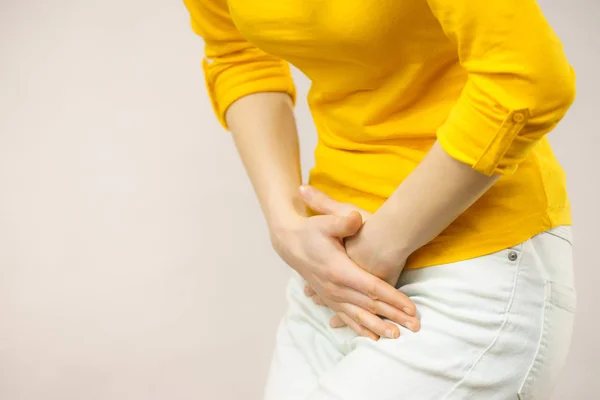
(433, 175)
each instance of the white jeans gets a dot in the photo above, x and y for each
(495, 327)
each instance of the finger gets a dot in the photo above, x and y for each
(341, 226)
(376, 289)
(317, 300)
(359, 329)
(336, 322)
(323, 204)
(382, 309)
(372, 322)
(308, 291)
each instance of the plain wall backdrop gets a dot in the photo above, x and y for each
(134, 261)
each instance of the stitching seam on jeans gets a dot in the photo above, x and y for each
(550, 232)
(495, 340)
(521, 393)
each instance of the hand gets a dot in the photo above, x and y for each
(313, 247)
(360, 250)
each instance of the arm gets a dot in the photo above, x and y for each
(519, 87)
(435, 194)
(265, 135)
(264, 130)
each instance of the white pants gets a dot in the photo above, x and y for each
(493, 328)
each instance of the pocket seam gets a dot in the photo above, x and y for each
(554, 233)
(475, 363)
(521, 393)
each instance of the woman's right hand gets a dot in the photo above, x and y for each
(313, 247)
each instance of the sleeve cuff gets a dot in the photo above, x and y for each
(227, 86)
(489, 142)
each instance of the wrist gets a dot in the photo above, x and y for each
(280, 225)
(282, 234)
(385, 236)
(283, 211)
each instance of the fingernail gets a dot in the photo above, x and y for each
(390, 333)
(304, 191)
(408, 311)
(413, 326)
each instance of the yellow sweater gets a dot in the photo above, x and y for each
(488, 79)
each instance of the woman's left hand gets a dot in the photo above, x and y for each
(363, 248)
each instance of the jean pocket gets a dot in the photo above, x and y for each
(554, 342)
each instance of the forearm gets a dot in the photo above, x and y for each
(432, 196)
(264, 130)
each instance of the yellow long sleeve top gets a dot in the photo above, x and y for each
(487, 79)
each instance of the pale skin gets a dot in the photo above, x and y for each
(349, 266)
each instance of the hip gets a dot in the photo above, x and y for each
(496, 326)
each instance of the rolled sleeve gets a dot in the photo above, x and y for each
(519, 83)
(233, 67)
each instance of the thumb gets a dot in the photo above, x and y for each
(342, 226)
(322, 203)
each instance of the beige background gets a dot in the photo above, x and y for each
(134, 263)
